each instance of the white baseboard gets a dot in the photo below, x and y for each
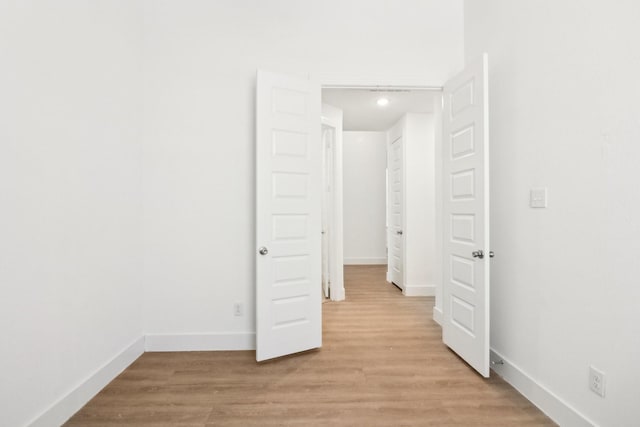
(201, 342)
(548, 402)
(365, 261)
(59, 412)
(337, 295)
(63, 409)
(419, 290)
(438, 315)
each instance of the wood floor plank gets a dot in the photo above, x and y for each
(382, 364)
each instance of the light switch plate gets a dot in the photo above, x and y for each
(538, 197)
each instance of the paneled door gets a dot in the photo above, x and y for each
(466, 215)
(288, 215)
(396, 214)
(327, 205)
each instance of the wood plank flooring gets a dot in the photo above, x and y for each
(382, 364)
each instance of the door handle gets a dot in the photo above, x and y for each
(399, 232)
(263, 250)
(478, 254)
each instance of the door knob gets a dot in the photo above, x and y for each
(478, 254)
(399, 232)
(263, 250)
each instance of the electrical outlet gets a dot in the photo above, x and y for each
(596, 381)
(238, 310)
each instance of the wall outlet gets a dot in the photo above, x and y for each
(238, 309)
(596, 381)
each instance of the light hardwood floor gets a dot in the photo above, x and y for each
(382, 364)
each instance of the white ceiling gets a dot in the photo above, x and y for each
(362, 113)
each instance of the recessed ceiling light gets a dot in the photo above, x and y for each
(382, 101)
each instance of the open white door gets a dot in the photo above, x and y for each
(396, 213)
(465, 167)
(327, 205)
(332, 129)
(288, 203)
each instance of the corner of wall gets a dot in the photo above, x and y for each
(59, 412)
(547, 401)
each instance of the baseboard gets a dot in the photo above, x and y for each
(337, 295)
(419, 290)
(549, 403)
(201, 342)
(68, 405)
(438, 315)
(365, 261)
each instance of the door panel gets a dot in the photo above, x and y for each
(327, 205)
(288, 184)
(332, 121)
(396, 240)
(466, 215)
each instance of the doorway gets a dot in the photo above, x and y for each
(389, 169)
(289, 213)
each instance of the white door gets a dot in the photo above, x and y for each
(465, 167)
(396, 237)
(332, 120)
(327, 205)
(288, 203)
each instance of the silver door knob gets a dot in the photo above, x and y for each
(478, 254)
(263, 250)
(399, 232)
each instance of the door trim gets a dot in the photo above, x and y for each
(332, 82)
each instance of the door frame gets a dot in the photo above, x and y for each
(332, 81)
(336, 82)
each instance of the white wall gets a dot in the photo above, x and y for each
(419, 189)
(70, 191)
(201, 60)
(419, 226)
(564, 114)
(364, 191)
(438, 271)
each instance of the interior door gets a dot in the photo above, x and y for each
(466, 215)
(396, 238)
(288, 203)
(332, 120)
(327, 205)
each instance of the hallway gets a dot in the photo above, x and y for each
(382, 364)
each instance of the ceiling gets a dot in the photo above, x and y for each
(362, 113)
